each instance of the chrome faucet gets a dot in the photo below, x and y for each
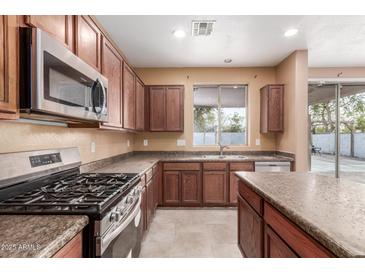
(221, 147)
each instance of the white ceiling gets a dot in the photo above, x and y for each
(147, 41)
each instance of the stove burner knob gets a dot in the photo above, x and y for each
(114, 216)
(137, 191)
(129, 200)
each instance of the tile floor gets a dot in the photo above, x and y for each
(192, 233)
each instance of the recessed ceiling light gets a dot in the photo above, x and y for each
(290, 32)
(228, 60)
(179, 33)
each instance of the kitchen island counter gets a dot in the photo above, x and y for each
(331, 211)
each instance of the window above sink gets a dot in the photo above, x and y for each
(220, 115)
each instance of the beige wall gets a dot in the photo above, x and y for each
(254, 77)
(293, 72)
(21, 137)
(355, 72)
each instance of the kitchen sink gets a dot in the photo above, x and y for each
(224, 156)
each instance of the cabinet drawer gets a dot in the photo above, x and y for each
(247, 166)
(214, 166)
(299, 241)
(255, 201)
(181, 166)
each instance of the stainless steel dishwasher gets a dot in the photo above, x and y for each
(272, 166)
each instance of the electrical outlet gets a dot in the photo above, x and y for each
(93, 147)
(181, 142)
(145, 142)
(128, 143)
(258, 142)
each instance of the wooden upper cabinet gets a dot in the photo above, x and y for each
(88, 40)
(272, 108)
(8, 67)
(166, 108)
(129, 98)
(157, 108)
(140, 105)
(111, 68)
(60, 26)
(174, 109)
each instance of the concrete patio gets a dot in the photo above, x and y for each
(353, 168)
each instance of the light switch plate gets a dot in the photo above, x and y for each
(145, 142)
(128, 143)
(181, 142)
(258, 142)
(93, 147)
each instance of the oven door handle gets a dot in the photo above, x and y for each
(109, 237)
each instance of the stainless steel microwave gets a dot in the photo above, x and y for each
(55, 84)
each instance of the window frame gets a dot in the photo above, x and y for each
(220, 86)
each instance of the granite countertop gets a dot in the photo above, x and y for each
(37, 236)
(330, 210)
(141, 163)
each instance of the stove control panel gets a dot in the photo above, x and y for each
(45, 159)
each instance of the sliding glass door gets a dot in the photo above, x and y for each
(322, 124)
(337, 125)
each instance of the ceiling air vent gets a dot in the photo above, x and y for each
(202, 28)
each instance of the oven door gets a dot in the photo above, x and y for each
(63, 84)
(125, 240)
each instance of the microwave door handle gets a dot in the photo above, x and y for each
(104, 97)
(96, 83)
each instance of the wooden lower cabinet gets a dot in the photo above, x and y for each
(214, 187)
(250, 230)
(264, 232)
(275, 247)
(171, 186)
(191, 188)
(233, 187)
(73, 249)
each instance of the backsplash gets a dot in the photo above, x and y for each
(23, 137)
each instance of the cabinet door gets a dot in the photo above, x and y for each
(88, 41)
(275, 247)
(233, 188)
(149, 210)
(190, 188)
(174, 109)
(214, 187)
(140, 105)
(275, 108)
(250, 230)
(8, 67)
(171, 188)
(157, 108)
(60, 26)
(129, 98)
(112, 69)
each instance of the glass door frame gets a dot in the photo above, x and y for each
(338, 84)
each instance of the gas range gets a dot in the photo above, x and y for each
(88, 193)
(50, 182)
